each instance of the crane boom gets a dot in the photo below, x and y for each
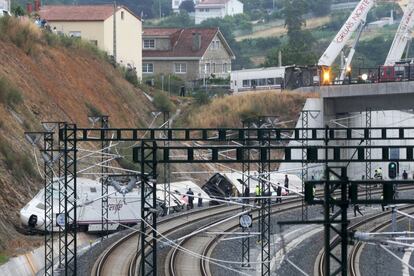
(357, 17)
(402, 36)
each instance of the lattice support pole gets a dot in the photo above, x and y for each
(61, 197)
(246, 183)
(70, 195)
(104, 174)
(167, 172)
(334, 264)
(264, 220)
(47, 154)
(305, 125)
(368, 165)
(148, 160)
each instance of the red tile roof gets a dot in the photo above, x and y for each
(160, 31)
(181, 41)
(78, 12)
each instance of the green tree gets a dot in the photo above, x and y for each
(298, 49)
(320, 7)
(18, 11)
(188, 6)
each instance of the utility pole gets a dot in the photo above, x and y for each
(159, 1)
(114, 32)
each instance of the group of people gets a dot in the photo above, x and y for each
(43, 24)
(277, 188)
(190, 196)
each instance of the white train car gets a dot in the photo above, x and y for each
(124, 207)
(257, 79)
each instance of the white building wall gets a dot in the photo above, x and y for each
(355, 170)
(231, 8)
(234, 7)
(5, 5)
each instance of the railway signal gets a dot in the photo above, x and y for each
(392, 170)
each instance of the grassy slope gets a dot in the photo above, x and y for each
(229, 111)
(56, 83)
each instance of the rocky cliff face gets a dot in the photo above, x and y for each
(45, 79)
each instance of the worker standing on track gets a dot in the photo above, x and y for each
(356, 209)
(258, 192)
(279, 193)
(287, 184)
(190, 198)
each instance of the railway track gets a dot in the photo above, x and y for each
(180, 263)
(122, 257)
(355, 252)
(110, 262)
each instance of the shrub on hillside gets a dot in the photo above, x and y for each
(23, 34)
(9, 94)
(16, 162)
(93, 110)
(162, 102)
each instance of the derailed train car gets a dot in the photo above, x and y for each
(124, 205)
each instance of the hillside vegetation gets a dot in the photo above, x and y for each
(44, 77)
(230, 111)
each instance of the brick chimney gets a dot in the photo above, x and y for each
(29, 8)
(196, 41)
(37, 5)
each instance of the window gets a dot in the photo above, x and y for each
(93, 189)
(180, 68)
(75, 34)
(149, 43)
(271, 81)
(262, 82)
(215, 44)
(224, 67)
(122, 15)
(207, 68)
(246, 83)
(147, 68)
(94, 42)
(213, 68)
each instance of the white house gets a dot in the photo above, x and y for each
(216, 8)
(176, 4)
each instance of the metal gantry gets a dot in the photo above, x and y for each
(147, 156)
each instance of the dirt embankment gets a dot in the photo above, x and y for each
(39, 83)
